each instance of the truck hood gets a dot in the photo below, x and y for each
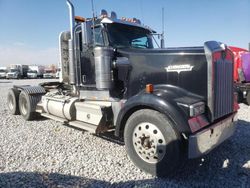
(183, 67)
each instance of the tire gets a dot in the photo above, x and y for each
(12, 101)
(25, 106)
(152, 143)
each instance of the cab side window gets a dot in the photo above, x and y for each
(98, 36)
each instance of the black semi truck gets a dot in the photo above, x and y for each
(166, 104)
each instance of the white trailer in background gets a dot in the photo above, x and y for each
(49, 72)
(3, 72)
(17, 71)
(35, 71)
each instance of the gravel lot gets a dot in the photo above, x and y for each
(45, 153)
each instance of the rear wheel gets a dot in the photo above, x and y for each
(12, 101)
(152, 143)
(25, 106)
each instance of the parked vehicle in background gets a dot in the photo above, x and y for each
(17, 71)
(35, 71)
(3, 72)
(49, 73)
(242, 73)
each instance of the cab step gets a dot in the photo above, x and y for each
(54, 117)
(86, 126)
(78, 124)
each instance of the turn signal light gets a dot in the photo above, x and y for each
(196, 109)
(149, 88)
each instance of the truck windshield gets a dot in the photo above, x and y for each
(125, 36)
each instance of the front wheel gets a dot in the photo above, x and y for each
(152, 143)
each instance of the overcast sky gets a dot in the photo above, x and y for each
(29, 29)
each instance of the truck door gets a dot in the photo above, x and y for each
(87, 58)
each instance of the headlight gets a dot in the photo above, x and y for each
(196, 109)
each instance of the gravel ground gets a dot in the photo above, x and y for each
(45, 153)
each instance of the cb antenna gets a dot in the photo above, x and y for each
(93, 20)
(163, 28)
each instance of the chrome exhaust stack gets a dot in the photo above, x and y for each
(72, 69)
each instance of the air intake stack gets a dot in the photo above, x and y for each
(72, 69)
(103, 60)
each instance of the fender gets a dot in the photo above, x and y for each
(166, 99)
(31, 90)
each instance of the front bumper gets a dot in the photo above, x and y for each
(206, 140)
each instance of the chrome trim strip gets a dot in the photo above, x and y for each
(210, 98)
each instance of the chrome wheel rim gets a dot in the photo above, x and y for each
(149, 142)
(23, 105)
(10, 102)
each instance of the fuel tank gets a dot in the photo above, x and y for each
(60, 106)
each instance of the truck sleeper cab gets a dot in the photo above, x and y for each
(165, 104)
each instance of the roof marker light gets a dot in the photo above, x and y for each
(79, 19)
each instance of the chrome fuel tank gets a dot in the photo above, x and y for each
(60, 106)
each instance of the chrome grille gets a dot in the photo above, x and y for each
(223, 88)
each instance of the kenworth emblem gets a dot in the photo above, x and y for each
(179, 68)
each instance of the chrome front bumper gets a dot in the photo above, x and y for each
(206, 140)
